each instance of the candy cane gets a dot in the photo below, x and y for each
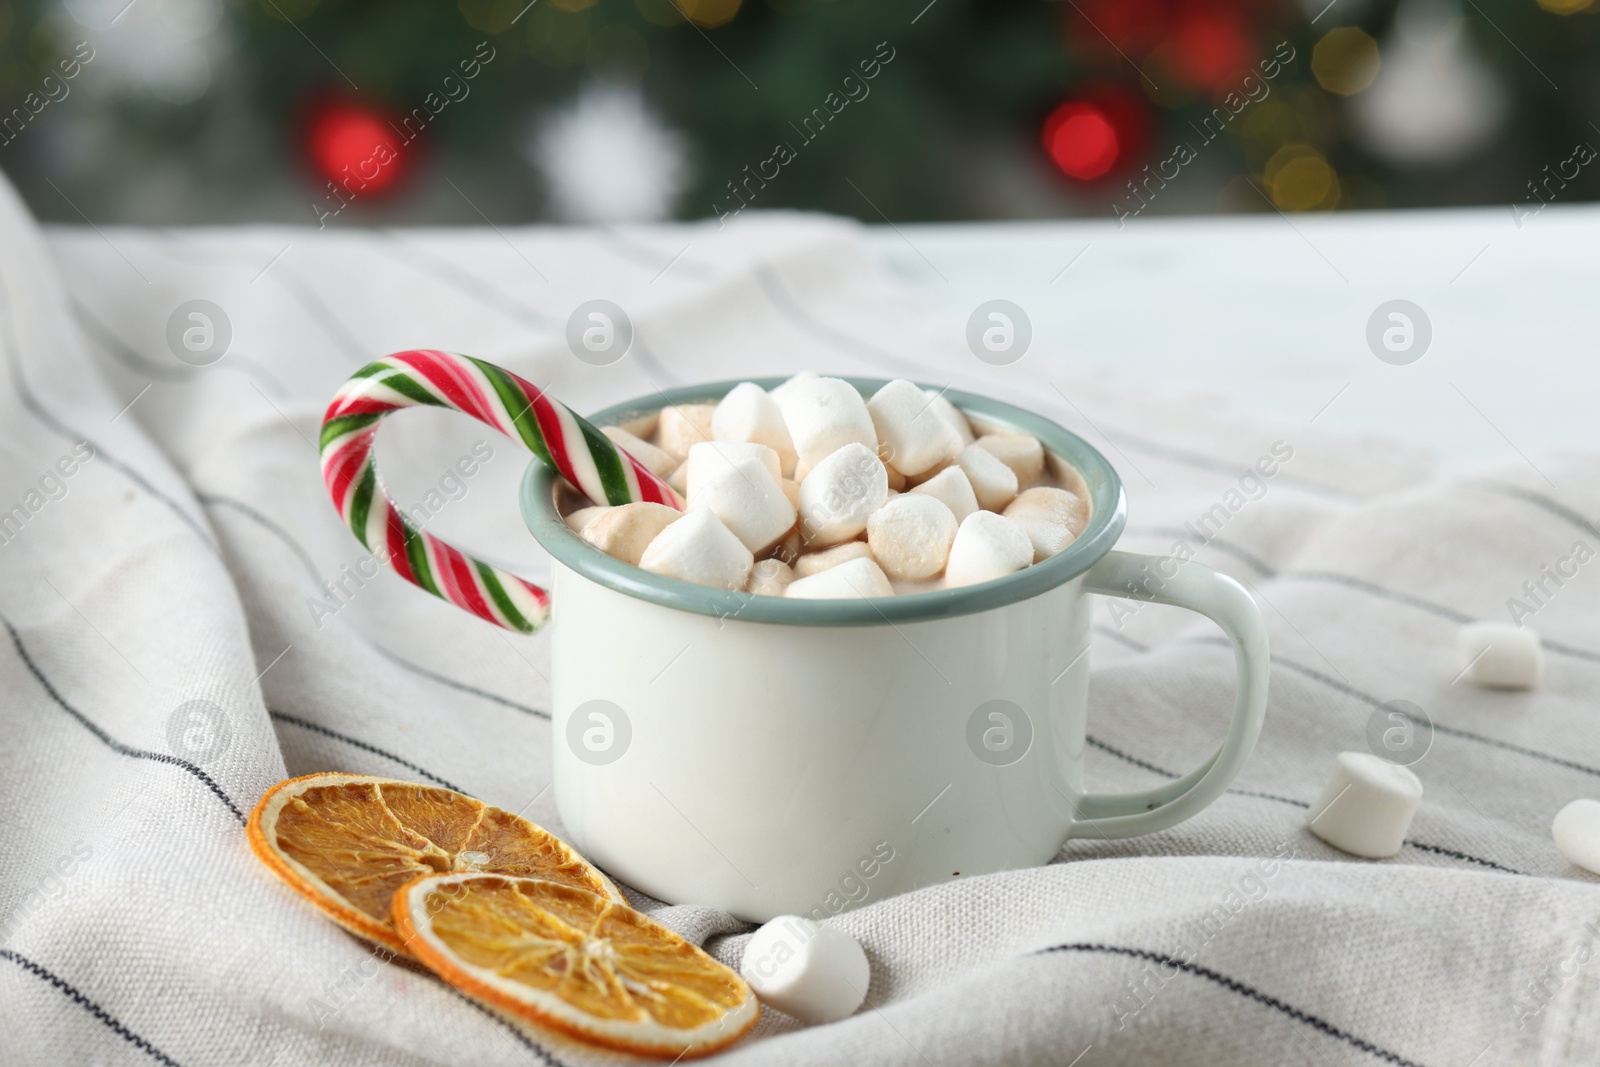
(557, 435)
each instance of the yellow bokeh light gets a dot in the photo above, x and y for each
(710, 13)
(488, 16)
(1566, 7)
(1345, 61)
(1299, 179)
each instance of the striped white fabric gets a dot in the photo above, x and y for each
(187, 621)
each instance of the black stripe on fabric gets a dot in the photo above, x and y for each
(625, 247)
(1163, 772)
(322, 315)
(421, 258)
(1538, 500)
(214, 500)
(1457, 855)
(1440, 610)
(105, 738)
(1227, 548)
(31, 402)
(73, 994)
(1367, 698)
(1199, 461)
(134, 360)
(1243, 989)
(318, 728)
(512, 1028)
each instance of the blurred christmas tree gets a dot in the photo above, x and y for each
(345, 111)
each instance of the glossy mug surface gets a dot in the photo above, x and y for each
(767, 756)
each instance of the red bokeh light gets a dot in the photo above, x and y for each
(1080, 139)
(355, 147)
(1211, 52)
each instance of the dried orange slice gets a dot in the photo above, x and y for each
(346, 842)
(574, 961)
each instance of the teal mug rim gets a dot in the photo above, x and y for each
(1106, 522)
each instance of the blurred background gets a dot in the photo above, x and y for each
(357, 112)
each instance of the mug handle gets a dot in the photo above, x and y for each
(559, 436)
(1225, 602)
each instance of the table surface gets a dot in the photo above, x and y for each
(1273, 311)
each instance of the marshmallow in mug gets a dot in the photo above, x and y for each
(814, 492)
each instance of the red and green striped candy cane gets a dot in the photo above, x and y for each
(560, 437)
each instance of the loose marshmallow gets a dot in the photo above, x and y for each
(679, 479)
(840, 493)
(1498, 655)
(994, 483)
(813, 972)
(747, 413)
(743, 493)
(1577, 832)
(817, 562)
(1021, 452)
(684, 425)
(951, 488)
(769, 577)
(625, 531)
(912, 436)
(897, 481)
(910, 536)
(582, 517)
(699, 548)
(792, 491)
(986, 546)
(657, 461)
(711, 458)
(1366, 807)
(953, 418)
(1052, 518)
(854, 580)
(824, 415)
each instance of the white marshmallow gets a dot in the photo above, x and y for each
(911, 436)
(1577, 832)
(994, 483)
(951, 488)
(577, 520)
(643, 426)
(625, 531)
(813, 972)
(1021, 452)
(683, 426)
(747, 413)
(824, 415)
(1050, 517)
(855, 580)
(780, 389)
(817, 562)
(712, 458)
(679, 479)
(657, 461)
(910, 536)
(769, 577)
(840, 493)
(743, 493)
(1498, 655)
(951, 416)
(986, 546)
(1366, 807)
(699, 548)
(897, 481)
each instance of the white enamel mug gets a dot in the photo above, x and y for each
(768, 756)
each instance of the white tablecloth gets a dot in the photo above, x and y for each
(175, 565)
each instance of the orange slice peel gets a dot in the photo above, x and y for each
(348, 842)
(573, 960)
